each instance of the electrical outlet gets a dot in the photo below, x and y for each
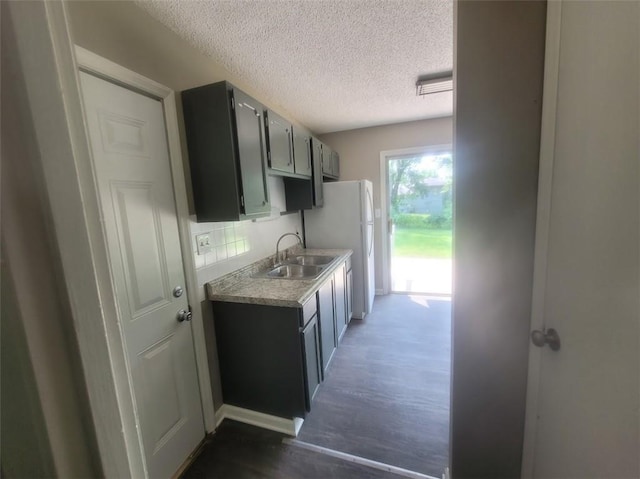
(203, 243)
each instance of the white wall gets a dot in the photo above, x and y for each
(360, 156)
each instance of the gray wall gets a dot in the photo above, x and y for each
(499, 76)
(46, 425)
(360, 157)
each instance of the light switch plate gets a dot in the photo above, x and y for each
(203, 242)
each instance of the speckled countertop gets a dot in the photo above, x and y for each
(240, 287)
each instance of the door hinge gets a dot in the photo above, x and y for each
(233, 103)
(242, 200)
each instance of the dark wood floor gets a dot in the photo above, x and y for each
(240, 451)
(386, 397)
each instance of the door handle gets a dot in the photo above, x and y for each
(549, 336)
(184, 315)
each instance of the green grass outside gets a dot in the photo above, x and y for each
(422, 243)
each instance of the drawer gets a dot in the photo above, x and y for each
(308, 310)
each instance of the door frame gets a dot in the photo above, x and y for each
(385, 157)
(543, 219)
(52, 82)
(92, 63)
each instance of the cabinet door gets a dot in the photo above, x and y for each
(313, 364)
(302, 152)
(327, 161)
(251, 154)
(335, 164)
(280, 142)
(318, 191)
(327, 324)
(349, 294)
(339, 286)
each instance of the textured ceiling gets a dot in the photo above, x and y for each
(330, 64)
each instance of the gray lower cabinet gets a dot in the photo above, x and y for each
(340, 292)
(227, 153)
(273, 358)
(313, 363)
(326, 314)
(269, 356)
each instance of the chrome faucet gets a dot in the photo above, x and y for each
(278, 244)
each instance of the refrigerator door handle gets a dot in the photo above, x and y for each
(370, 240)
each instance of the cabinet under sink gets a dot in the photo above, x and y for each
(274, 358)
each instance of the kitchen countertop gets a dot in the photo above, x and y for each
(240, 287)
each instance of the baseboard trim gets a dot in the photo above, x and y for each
(290, 427)
(380, 292)
(358, 460)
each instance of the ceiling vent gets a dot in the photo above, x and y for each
(434, 84)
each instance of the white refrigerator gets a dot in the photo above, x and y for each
(346, 221)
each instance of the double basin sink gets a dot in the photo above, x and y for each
(298, 267)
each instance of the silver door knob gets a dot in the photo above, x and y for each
(177, 291)
(184, 315)
(549, 336)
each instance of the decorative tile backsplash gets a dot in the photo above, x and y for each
(228, 240)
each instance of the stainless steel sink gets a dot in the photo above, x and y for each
(311, 259)
(292, 271)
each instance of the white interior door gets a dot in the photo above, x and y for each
(584, 399)
(128, 140)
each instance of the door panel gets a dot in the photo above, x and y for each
(131, 161)
(318, 188)
(311, 342)
(302, 152)
(327, 323)
(587, 421)
(326, 160)
(145, 268)
(280, 147)
(252, 152)
(161, 390)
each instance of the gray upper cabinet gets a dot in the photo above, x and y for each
(330, 163)
(335, 164)
(316, 156)
(227, 153)
(302, 152)
(288, 147)
(302, 194)
(280, 142)
(327, 161)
